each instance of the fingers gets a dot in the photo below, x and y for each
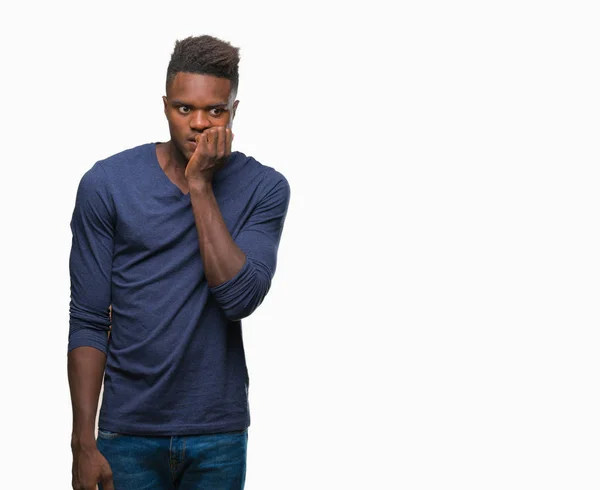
(213, 146)
(108, 483)
(212, 140)
(222, 142)
(202, 143)
(228, 141)
(217, 142)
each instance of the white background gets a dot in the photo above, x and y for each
(433, 322)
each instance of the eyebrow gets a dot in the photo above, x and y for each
(212, 106)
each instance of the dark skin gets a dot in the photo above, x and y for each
(199, 110)
(86, 368)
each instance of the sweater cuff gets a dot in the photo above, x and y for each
(86, 337)
(233, 294)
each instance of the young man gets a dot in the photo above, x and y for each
(179, 240)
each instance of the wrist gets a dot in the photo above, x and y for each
(200, 186)
(83, 442)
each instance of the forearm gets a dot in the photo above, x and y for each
(221, 257)
(85, 369)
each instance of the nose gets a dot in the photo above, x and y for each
(199, 121)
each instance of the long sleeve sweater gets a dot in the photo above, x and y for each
(175, 355)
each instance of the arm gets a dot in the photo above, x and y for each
(221, 257)
(90, 265)
(239, 272)
(85, 368)
(259, 239)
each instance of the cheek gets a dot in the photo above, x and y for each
(176, 127)
(225, 121)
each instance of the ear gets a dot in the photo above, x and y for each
(234, 108)
(165, 104)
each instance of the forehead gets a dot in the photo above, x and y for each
(201, 89)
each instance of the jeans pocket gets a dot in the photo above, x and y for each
(107, 434)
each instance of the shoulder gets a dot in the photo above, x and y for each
(267, 178)
(100, 177)
(116, 162)
(115, 168)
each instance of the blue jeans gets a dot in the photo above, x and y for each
(211, 462)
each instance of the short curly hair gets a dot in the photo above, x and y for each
(205, 55)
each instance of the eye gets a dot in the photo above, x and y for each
(217, 111)
(183, 109)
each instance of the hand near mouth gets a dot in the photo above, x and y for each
(213, 146)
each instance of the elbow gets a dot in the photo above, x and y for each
(248, 304)
(88, 327)
(80, 336)
(245, 294)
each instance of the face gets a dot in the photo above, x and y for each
(195, 103)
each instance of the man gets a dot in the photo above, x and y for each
(173, 244)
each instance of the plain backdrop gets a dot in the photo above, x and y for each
(433, 322)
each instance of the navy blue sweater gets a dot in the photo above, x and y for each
(175, 356)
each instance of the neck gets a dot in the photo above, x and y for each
(170, 158)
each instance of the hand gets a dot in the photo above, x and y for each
(213, 146)
(90, 468)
